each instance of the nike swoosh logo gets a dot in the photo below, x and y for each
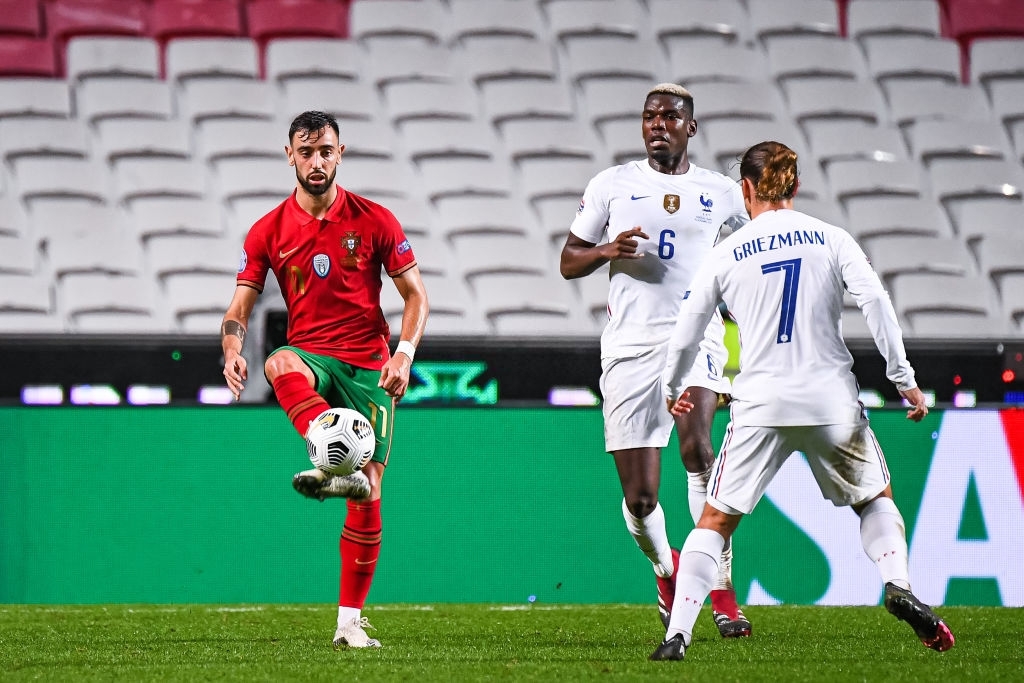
(361, 562)
(634, 197)
(286, 254)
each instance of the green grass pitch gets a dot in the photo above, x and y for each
(455, 643)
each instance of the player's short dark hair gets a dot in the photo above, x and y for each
(310, 122)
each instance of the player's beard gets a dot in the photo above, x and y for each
(313, 189)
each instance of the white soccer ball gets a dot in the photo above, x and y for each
(340, 441)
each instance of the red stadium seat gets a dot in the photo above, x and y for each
(271, 19)
(21, 18)
(66, 19)
(195, 19)
(969, 20)
(24, 56)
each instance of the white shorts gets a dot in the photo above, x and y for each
(635, 414)
(846, 460)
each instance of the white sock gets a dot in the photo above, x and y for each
(698, 567)
(651, 537)
(697, 492)
(347, 614)
(883, 535)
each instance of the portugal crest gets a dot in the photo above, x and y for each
(671, 203)
(350, 241)
(322, 264)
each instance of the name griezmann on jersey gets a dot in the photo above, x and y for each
(778, 241)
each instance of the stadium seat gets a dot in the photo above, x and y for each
(914, 101)
(107, 56)
(43, 137)
(853, 178)
(415, 216)
(35, 178)
(1001, 254)
(593, 290)
(983, 19)
(469, 215)
(154, 216)
(509, 100)
(343, 99)
(527, 139)
(602, 57)
(525, 304)
(197, 300)
(109, 303)
(66, 19)
(947, 138)
(448, 177)
(120, 138)
(997, 60)
(554, 216)
(26, 305)
(603, 101)
(811, 100)
(97, 99)
(266, 20)
(823, 208)
(953, 180)
(374, 177)
(26, 56)
(18, 254)
(962, 301)
(691, 63)
(854, 326)
(870, 19)
(778, 18)
(406, 101)
(453, 138)
(502, 58)
(704, 22)
(899, 59)
(453, 312)
(21, 18)
(1012, 302)
(623, 141)
(254, 178)
(231, 98)
(897, 255)
(112, 252)
(897, 216)
(541, 179)
(727, 139)
(175, 254)
(47, 97)
(365, 139)
(175, 19)
(138, 177)
(240, 213)
(569, 20)
(474, 24)
(55, 219)
(204, 58)
(228, 138)
(434, 257)
(13, 220)
(735, 100)
(397, 23)
(287, 58)
(832, 140)
(990, 216)
(412, 63)
(814, 56)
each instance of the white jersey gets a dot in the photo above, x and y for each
(682, 215)
(782, 277)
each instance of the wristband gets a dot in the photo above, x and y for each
(407, 348)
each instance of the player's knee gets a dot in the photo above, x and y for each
(279, 364)
(697, 455)
(641, 505)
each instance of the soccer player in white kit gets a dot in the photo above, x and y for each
(782, 278)
(654, 220)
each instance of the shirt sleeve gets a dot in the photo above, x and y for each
(738, 216)
(867, 290)
(698, 306)
(396, 251)
(255, 262)
(593, 214)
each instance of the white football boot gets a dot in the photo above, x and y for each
(353, 634)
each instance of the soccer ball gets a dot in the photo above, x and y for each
(340, 441)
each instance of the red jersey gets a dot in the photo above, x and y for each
(329, 273)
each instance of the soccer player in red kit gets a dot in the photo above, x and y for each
(326, 247)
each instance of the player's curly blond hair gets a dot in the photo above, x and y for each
(772, 167)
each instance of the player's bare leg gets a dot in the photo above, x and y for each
(694, 430)
(640, 475)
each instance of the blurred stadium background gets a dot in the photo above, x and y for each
(140, 139)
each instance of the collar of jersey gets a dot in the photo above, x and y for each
(300, 215)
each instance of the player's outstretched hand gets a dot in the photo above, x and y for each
(680, 406)
(235, 372)
(394, 376)
(625, 245)
(918, 409)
